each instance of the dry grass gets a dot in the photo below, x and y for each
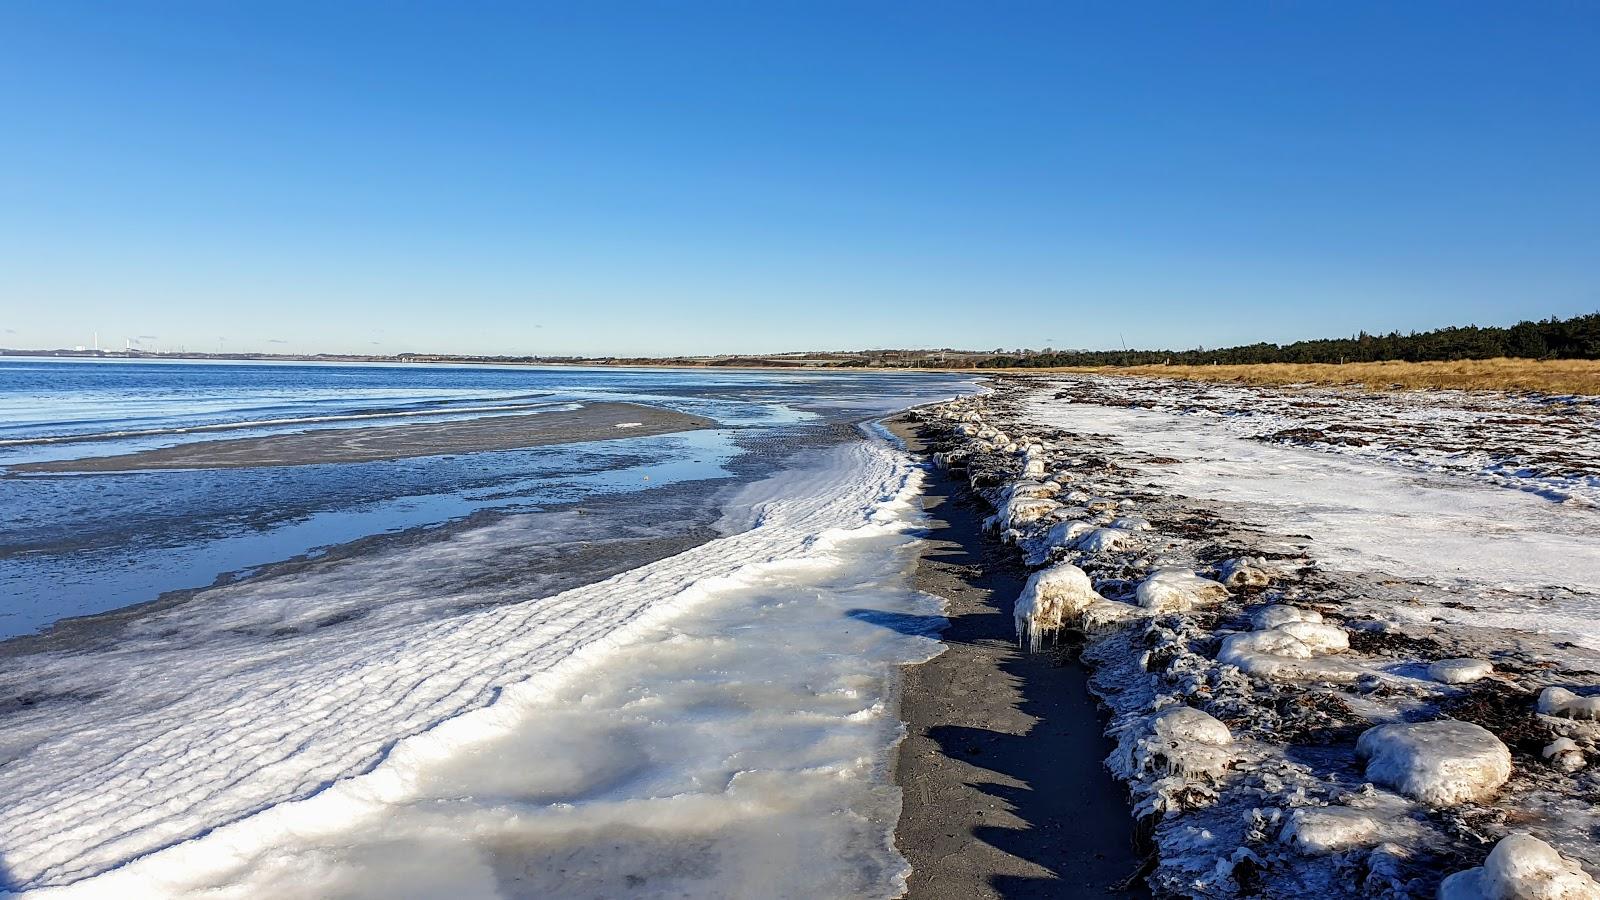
(1569, 376)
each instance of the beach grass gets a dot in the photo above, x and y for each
(1569, 376)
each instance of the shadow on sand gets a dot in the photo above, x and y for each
(1005, 790)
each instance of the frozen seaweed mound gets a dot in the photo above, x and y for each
(1442, 763)
(1186, 750)
(1521, 867)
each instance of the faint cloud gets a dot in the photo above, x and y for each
(11, 331)
(146, 337)
(276, 341)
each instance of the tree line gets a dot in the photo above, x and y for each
(1574, 338)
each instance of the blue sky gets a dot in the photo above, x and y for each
(685, 177)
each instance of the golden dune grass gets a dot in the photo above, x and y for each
(1567, 376)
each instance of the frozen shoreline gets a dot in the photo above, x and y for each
(1346, 591)
(787, 754)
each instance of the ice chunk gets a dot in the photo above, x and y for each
(1180, 740)
(1279, 614)
(1440, 763)
(1175, 589)
(1555, 701)
(1131, 523)
(1330, 829)
(1459, 671)
(1522, 867)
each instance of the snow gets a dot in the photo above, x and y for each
(1460, 671)
(1558, 701)
(713, 721)
(1175, 589)
(1522, 867)
(1441, 763)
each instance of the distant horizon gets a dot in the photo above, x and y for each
(1131, 346)
(633, 179)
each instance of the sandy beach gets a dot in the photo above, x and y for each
(1005, 794)
(592, 422)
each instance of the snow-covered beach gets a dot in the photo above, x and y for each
(1345, 639)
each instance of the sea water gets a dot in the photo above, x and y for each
(520, 673)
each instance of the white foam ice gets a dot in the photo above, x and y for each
(715, 723)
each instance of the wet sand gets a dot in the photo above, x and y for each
(1005, 794)
(593, 422)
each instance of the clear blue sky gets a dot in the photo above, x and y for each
(679, 177)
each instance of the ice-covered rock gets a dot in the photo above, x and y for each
(1179, 740)
(1042, 490)
(1176, 589)
(1245, 572)
(1131, 523)
(1053, 599)
(1320, 830)
(1522, 867)
(1275, 654)
(1440, 763)
(1101, 540)
(1565, 754)
(1459, 671)
(1319, 636)
(1280, 614)
(1065, 534)
(1019, 511)
(1555, 701)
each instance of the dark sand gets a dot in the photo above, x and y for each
(1005, 794)
(593, 422)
